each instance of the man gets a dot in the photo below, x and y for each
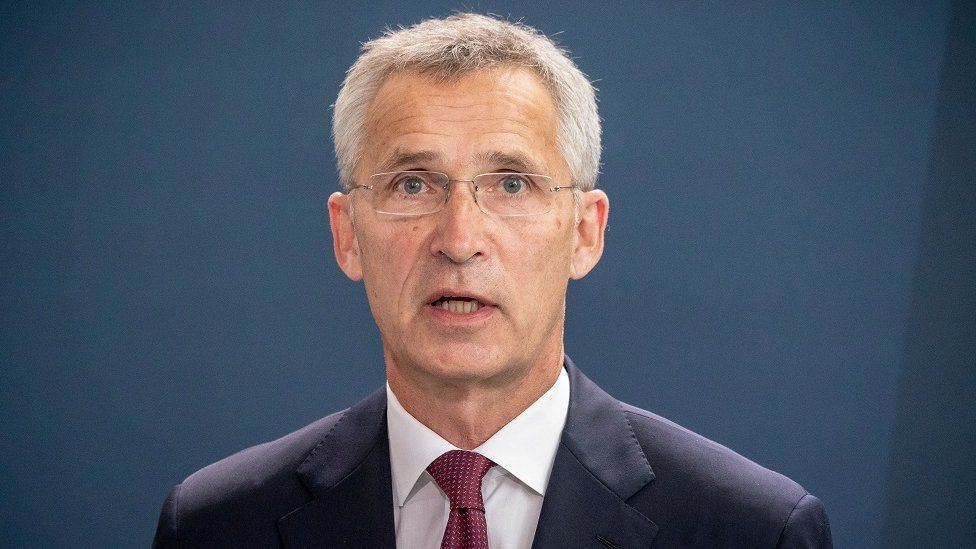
(468, 150)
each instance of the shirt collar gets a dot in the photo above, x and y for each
(525, 447)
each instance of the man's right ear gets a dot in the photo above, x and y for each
(344, 242)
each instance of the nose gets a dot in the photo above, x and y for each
(460, 232)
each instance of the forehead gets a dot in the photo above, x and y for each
(477, 118)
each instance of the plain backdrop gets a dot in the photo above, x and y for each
(788, 269)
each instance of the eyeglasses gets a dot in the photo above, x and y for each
(423, 192)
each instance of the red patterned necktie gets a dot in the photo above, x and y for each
(459, 475)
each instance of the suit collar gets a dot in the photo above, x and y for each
(348, 475)
(598, 467)
(599, 434)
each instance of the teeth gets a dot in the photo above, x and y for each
(460, 306)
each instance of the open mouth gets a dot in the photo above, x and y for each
(456, 304)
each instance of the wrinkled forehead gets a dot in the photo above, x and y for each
(399, 90)
(501, 112)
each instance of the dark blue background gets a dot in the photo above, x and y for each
(789, 265)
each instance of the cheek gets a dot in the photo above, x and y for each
(547, 259)
(389, 252)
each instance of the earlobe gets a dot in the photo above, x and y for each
(594, 209)
(344, 241)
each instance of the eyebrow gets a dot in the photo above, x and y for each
(400, 158)
(509, 161)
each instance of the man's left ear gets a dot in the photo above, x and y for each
(594, 207)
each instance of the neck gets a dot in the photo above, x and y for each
(467, 413)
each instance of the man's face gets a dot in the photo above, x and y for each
(513, 271)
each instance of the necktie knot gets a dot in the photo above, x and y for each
(459, 474)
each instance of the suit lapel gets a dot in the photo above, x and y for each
(598, 466)
(348, 474)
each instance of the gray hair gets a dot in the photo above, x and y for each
(452, 47)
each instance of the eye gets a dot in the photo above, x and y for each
(410, 184)
(513, 184)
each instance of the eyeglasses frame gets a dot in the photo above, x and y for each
(448, 182)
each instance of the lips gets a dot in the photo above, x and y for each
(458, 302)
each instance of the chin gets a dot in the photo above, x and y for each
(465, 363)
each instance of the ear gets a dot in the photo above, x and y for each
(344, 241)
(594, 207)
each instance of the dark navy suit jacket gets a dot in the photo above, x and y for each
(623, 478)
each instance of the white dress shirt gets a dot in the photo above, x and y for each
(523, 451)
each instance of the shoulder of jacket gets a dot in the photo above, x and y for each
(249, 472)
(702, 466)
